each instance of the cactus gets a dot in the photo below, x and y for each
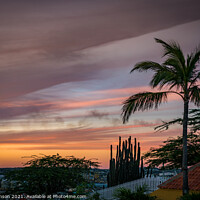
(126, 166)
(135, 147)
(142, 169)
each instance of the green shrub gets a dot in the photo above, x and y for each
(192, 196)
(95, 196)
(127, 194)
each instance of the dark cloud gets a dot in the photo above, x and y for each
(142, 122)
(116, 121)
(41, 42)
(97, 114)
(59, 119)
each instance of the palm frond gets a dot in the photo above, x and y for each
(165, 78)
(193, 122)
(194, 58)
(142, 101)
(174, 65)
(173, 50)
(195, 112)
(147, 65)
(163, 74)
(165, 125)
(195, 95)
(192, 73)
(195, 79)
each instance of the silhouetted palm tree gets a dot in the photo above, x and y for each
(181, 77)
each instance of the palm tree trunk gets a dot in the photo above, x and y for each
(184, 160)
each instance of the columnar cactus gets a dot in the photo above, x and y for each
(126, 166)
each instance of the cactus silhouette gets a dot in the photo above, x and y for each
(126, 166)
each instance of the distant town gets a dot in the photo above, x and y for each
(96, 176)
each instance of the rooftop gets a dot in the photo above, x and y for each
(176, 182)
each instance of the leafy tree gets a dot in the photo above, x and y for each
(181, 77)
(170, 153)
(50, 174)
(127, 194)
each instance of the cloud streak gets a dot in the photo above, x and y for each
(25, 106)
(80, 135)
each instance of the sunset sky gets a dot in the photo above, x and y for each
(64, 73)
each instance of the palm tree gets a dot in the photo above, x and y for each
(181, 77)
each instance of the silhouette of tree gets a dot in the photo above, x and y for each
(170, 155)
(50, 174)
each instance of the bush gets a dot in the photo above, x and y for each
(127, 194)
(95, 196)
(192, 196)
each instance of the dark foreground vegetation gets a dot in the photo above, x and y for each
(49, 175)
